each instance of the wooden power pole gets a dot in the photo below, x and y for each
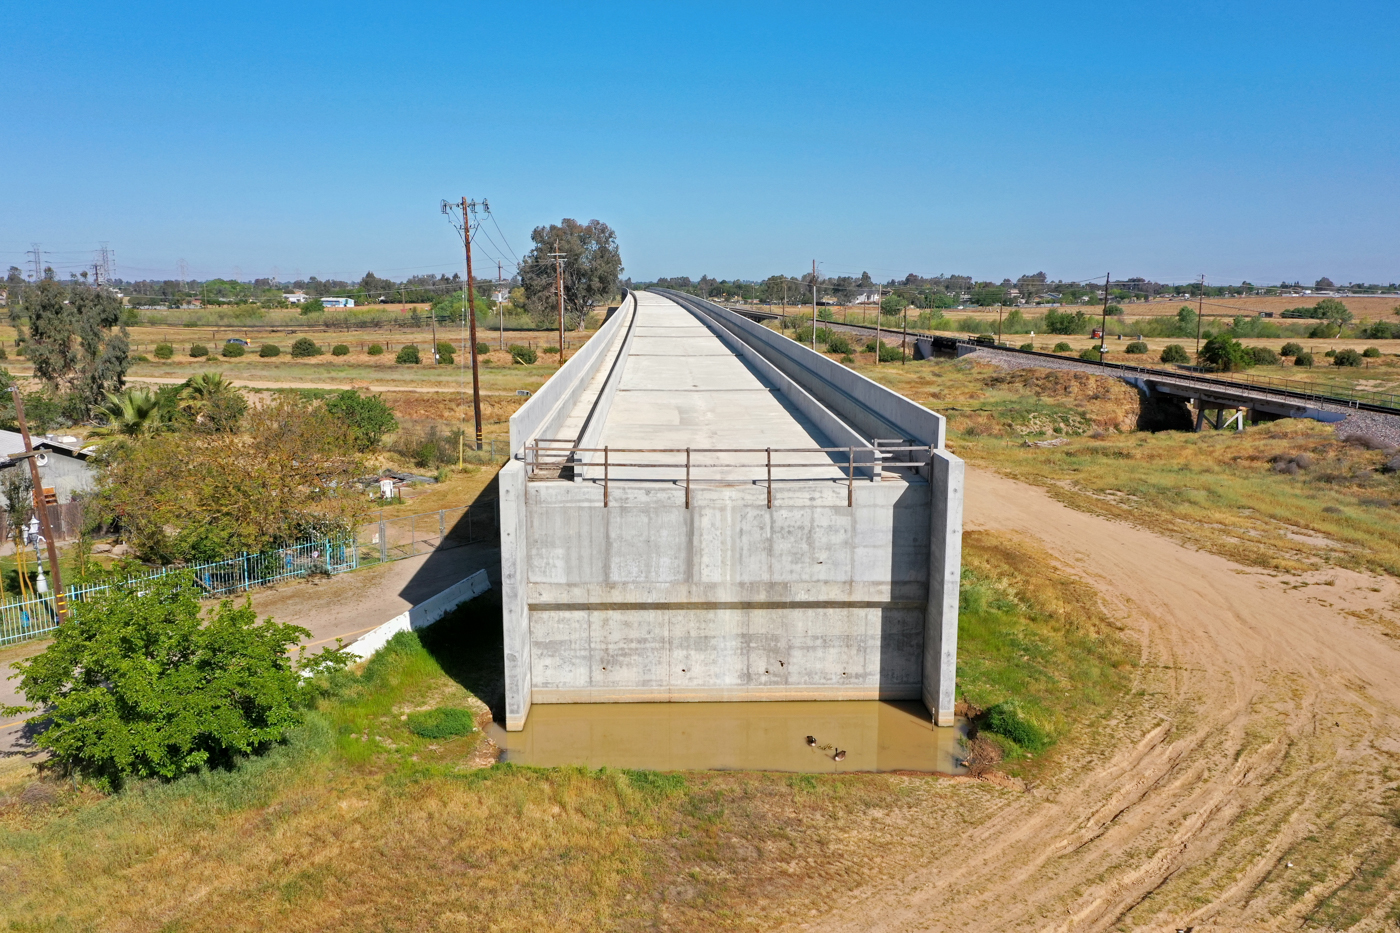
(471, 314)
(40, 507)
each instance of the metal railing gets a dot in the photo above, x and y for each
(388, 539)
(551, 458)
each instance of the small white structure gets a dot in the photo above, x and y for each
(338, 302)
(296, 298)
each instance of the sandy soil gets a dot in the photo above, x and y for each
(1263, 735)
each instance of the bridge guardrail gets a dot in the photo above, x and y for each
(555, 455)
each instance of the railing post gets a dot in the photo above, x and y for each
(605, 476)
(851, 476)
(687, 477)
(383, 541)
(770, 477)
(442, 525)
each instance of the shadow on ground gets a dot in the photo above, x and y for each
(468, 645)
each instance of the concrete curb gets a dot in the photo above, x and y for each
(421, 615)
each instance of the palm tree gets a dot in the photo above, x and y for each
(134, 413)
(212, 401)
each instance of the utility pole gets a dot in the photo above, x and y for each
(468, 209)
(904, 340)
(1000, 308)
(558, 258)
(40, 509)
(500, 305)
(1200, 313)
(814, 305)
(877, 325)
(1103, 328)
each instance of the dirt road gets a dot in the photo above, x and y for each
(1264, 733)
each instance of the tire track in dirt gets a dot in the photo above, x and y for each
(1267, 734)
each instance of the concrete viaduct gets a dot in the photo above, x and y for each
(700, 509)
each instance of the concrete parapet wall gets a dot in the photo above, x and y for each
(549, 406)
(867, 405)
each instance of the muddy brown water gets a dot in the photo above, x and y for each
(768, 736)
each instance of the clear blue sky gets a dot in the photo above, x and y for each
(1244, 140)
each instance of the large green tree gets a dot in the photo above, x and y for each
(592, 266)
(74, 337)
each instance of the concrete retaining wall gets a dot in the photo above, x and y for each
(648, 600)
(421, 615)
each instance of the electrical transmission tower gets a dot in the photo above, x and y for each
(103, 265)
(36, 262)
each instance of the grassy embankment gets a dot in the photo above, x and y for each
(1219, 490)
(357, 823)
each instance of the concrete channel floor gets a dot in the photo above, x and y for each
(682, 386)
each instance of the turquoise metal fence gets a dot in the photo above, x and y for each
(385, 540)
(22, 619)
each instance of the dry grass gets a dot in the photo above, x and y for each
(1218, 490)
(358, 824)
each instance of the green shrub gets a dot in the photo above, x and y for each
(139, 686)
(1347, 357)
(1225, 354)
(408, 354)
(198, 350)
(340, 349)
(1303, 359)
(269, 350)
(848, 358)
(1263, 356)
(1330, 353)
(1114, 310)
(232, 350)
(445, 722)
(1324, 331)
(305, 347)
(164, 351)
(369, 417)
(3, 354)
(375, 350)
(1006, 720)
(1175, 353)
(838, 343)
(482, 349)
(1136, 347)
(551, 349)
(888, 354)
(1091, 354)
(1291, 349)
(1371, 353)
(522, 355)
(1027, 346)
(1063, 347)
(445, 354)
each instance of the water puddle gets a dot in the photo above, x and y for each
(875, 735)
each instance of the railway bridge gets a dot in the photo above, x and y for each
(700, 509)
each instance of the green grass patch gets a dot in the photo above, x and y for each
(1038, 660)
